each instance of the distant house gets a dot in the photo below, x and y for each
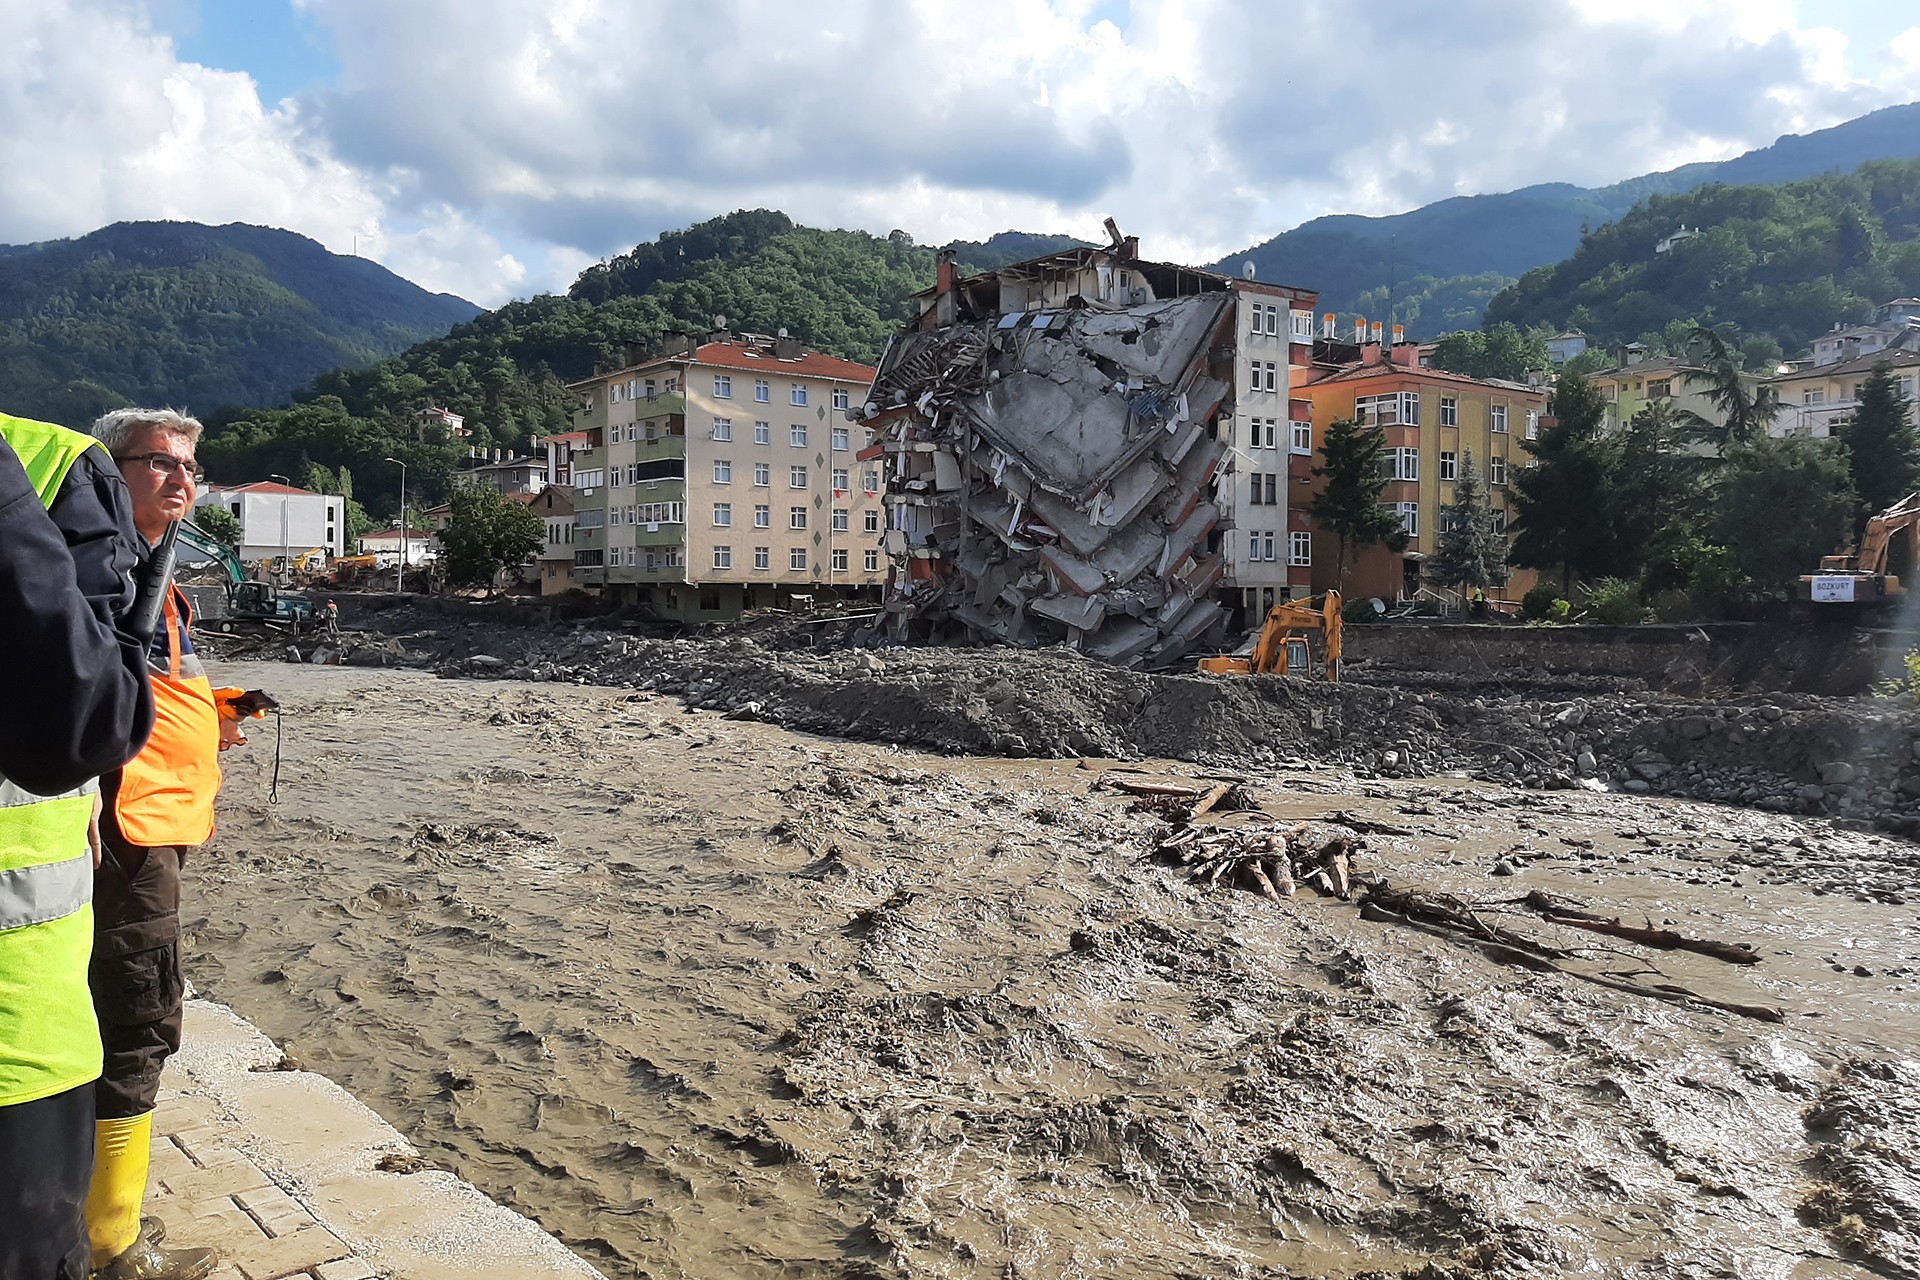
(1684, 233)
(560, 450)
(422, 547)
(509, 475)
(1562, 347)
(279, 520)
(1813, 399)
(554, 561)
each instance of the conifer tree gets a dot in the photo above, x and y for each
(1885, 456)
(1469, 553)
(1349, 506)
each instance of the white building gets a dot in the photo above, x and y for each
(422, 547)
(279, 520)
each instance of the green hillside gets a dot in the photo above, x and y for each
(195, 316)
(1783, 261)
(843, 292)
(1438, 259)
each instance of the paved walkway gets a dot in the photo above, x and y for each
(281, 1171)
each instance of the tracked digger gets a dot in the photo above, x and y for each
(1281, 648)
(1877, 572)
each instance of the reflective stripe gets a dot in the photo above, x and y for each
(12, 794)
(35, 895)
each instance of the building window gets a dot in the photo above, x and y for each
(1273, 377)
(797, 559)
(763, 517)
(1533, 424)
(762, 475)
(796, 477)
(1496, 470)
(613, 477)
(796, 517)
(763, 433)
(1258, 378)
(1497, 419)
(1449, 411)
(1409, 513)
(871, 559)
(723, 514)
(841, 440)
(797, 436)
(1259, 321)
(872, 481)
(1302, 437)
(842, 398)
(1660, 388)
(1499, 520)
(871, 520)
(722, 386)
(1449, 465)
(761, 391)
(1299, 549)
(1395, 408)
(841, 520)
(1400, 464)
(839, 559)
(1302, 326)
(797, 395)
(722, 471)
(840, 481)
(1253, 489)
(723, 557)
(723, 428)
(763, 557)
(675, 557)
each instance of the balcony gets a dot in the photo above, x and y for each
(674, 403)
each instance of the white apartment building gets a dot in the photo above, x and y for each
(726, 476)
(279, 520)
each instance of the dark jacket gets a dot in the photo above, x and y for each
(80, 705)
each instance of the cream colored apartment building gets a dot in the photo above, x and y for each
(726, 476)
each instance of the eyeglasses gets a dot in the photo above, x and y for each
(162, 463)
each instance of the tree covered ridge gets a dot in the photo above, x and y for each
(184, 314)
(1784, 261)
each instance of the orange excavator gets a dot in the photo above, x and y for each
(1876, 573)
(1281, 648)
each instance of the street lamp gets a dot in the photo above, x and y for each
(400, 575)
(284, 550)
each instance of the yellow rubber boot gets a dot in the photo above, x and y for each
(121, 1152)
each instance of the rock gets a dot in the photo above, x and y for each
(1652, 769)
(1390, 760)
(1585, 764)
(1638, 786)
(1506, 867)
(1694, 728)
(868, 663)
(1810, 794)
(1838, 773)
(486, 660)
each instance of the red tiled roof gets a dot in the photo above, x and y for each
(564, 435)
(261, 486)
(1365, 372)
(739, 355)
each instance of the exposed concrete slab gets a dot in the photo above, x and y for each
(279, 1171)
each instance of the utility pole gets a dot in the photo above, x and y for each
(400, 574)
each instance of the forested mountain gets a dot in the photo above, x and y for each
(1784, 261)
(506, 371)
(183, 314)
(1445, 260)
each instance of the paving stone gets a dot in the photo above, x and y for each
(218, 1224)
(226, 1178)
(303, 1250)
(276, 1211)
(346, 1269)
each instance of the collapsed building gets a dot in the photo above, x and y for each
(1055, 433)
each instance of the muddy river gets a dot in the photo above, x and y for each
(707, 998)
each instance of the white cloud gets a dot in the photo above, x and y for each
(490, 147)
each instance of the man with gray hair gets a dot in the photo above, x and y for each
(154, 810)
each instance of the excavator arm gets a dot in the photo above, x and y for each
(1286, 622)
(208, 545)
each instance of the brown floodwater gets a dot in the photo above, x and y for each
(708, 998)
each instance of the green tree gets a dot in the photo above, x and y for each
(1657, 493)
(1348, 506)
(1469, 554)
(1782, 505)
(1500, 351)
(1885, 456)
(1563, 518)
(219, 524)
(486, 532)
(1745, 408)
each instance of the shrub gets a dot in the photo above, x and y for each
(1616, 602)
(1358, 611)
(1538, 603)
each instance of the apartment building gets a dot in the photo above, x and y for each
(1662, 379)
(1268, 422)
(553, 563)
(1433, 420)
(278, 520)
(1817, 398)
(721, 475)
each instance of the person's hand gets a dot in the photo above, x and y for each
(230, 734)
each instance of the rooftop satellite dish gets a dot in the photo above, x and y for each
(1247, 269)
(719, 322)
(781, 334)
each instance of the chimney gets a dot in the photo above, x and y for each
(1399, 334)
(944, 278)
(1327, 323)
(1377, 331)
(1360, 329)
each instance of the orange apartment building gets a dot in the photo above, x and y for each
(1432, 420)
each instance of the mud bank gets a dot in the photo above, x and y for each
(708, 997)
(1857, 759)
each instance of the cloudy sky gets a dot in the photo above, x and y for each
(491, 148)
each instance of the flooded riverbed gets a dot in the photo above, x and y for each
(708, 998)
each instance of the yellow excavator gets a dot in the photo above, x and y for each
(1281, 648)
(1876, 572)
